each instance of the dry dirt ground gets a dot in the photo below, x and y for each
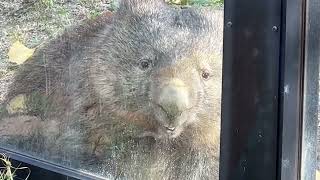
(33, 22)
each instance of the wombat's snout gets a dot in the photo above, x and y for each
(173, 100)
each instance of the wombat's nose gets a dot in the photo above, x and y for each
(174, 98)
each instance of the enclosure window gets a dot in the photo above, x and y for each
(128, 90)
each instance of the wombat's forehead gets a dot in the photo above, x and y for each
(171, 32)
(169, 36)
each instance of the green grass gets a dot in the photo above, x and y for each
(3, 112)
(196, 2)
(114, 3)
(38, 105)
(47, 3)
(7, 171)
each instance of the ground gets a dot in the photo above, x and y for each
(33, 22)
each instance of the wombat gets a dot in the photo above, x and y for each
(129, 95)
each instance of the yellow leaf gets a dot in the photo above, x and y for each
(318, 175)
(17, 104)
(19, 53)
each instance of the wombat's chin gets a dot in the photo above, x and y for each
(163, 133)
(175, 133)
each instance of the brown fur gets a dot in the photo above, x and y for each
(108, 113)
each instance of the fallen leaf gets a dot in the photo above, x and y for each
(317, 175)
(17, 104)
(19, 53)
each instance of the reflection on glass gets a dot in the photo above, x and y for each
(133, 94)
(318, 138)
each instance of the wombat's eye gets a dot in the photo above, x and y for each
(205, 75)
(145, 64)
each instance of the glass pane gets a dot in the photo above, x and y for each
(127, 90)
(318, 136)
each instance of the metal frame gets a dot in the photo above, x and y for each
(311, 90)
(49, 167)
(290, 90)
(284, 112)
(299, 90)
(250, 90)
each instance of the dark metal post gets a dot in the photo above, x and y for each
(290, 91)
(250, 90)
(270, 90)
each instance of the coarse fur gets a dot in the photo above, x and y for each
(103, 88)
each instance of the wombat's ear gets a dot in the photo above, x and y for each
(140, 6)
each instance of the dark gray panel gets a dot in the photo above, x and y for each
(250, 90)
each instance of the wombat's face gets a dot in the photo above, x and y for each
(160, 67)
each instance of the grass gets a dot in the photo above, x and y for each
(38, 105)
(196, 2)
(35, 22)
(47, 3)
(16, 35)
(7, 171)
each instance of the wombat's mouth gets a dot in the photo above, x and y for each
(166, 128)
(162, 125)
(164, 133)
(173, 132)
